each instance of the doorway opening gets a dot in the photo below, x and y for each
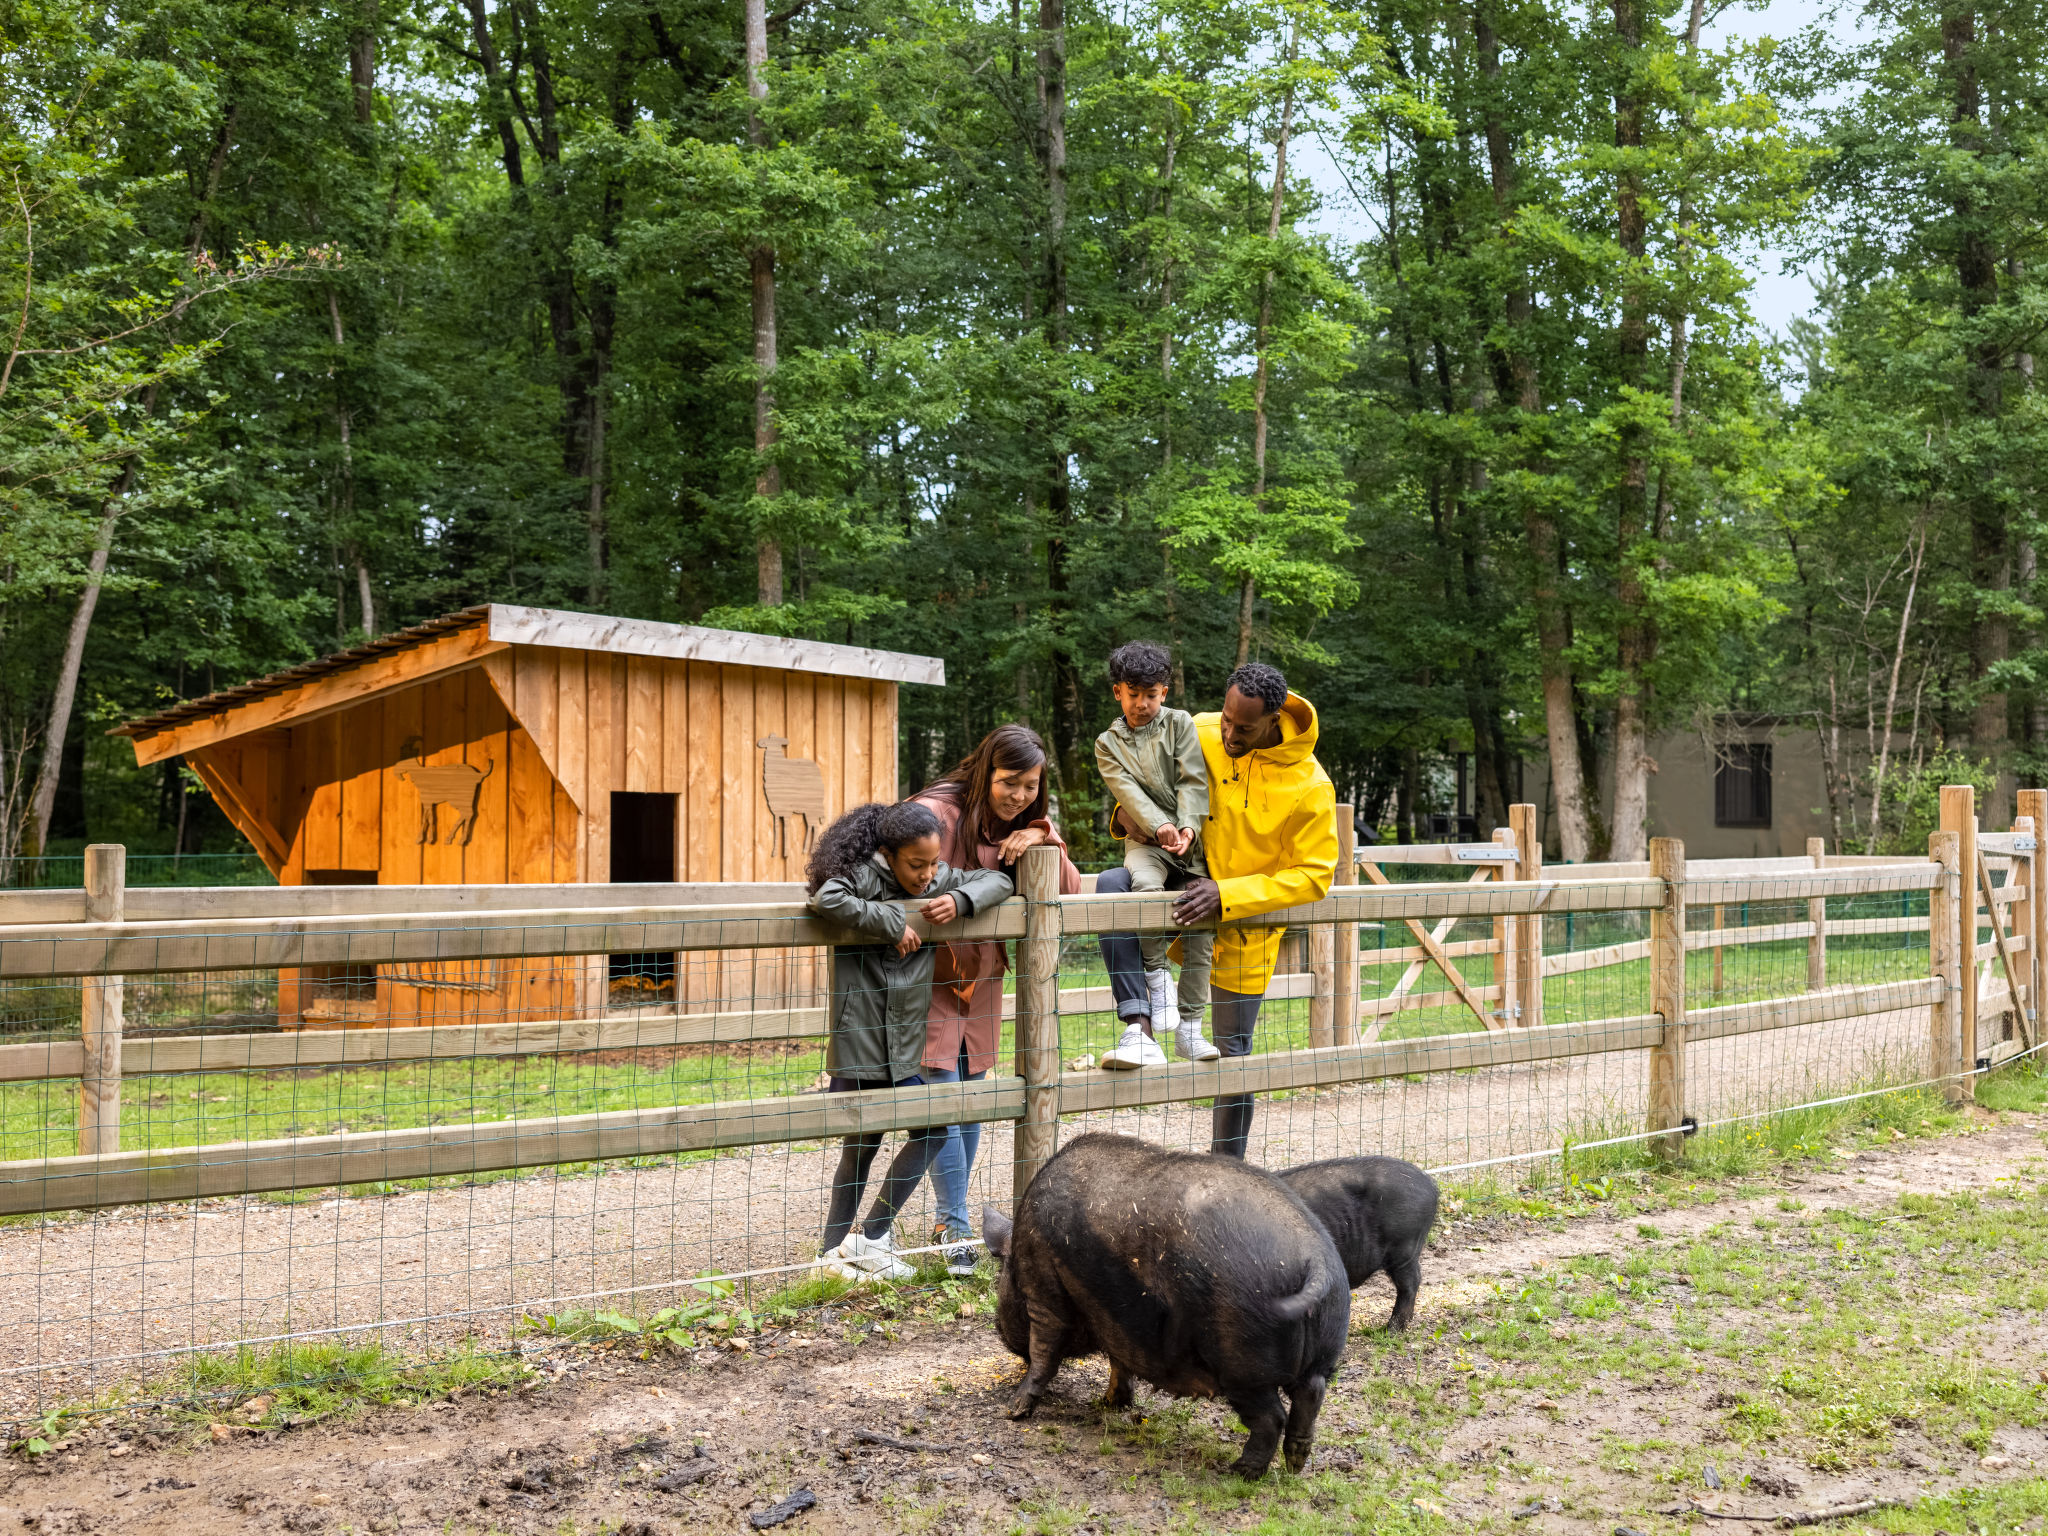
(643, 853)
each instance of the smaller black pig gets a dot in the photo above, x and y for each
(1199, 1274)
(1378, 1211)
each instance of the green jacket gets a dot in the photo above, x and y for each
(1156, 774)
(880, 998)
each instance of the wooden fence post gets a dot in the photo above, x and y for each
(1038, 1016)
(1528, 930)
(2032, 819)
(1959, 815)
(100, 1015)
(1720, 950)
(1667, 997)
(1817, 914)
(1944, 960)
(1322, 967)
(1347, 933)
(1505, 970)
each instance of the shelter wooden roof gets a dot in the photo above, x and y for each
(464, 638)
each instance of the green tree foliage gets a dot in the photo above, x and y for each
(342, 317)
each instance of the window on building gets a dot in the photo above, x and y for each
(1742, 785)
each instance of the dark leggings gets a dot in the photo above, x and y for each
(857, 1157)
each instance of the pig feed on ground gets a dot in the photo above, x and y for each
(1199, 1274)
(1378, 1211)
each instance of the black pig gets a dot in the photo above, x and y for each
(1378, 1211)
(1201, 1275)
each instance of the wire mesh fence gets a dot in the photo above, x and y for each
(427, 1126)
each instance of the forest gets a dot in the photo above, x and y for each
(1005, 334)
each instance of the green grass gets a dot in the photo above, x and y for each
(303, 1382)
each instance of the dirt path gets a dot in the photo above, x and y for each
(84, 1300)
(589, 1450)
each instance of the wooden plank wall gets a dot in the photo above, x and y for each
(691, 729)
(556, 732)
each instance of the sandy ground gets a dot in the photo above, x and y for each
(85, 1301)
(615, 1444)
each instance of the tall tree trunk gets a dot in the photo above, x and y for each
(51, 766)
(1990, 552)
(1246, 591)
(602, 305)
(43, 804)
(1059, 500)
(575, 364)
(362, 64)
(345, 494)
(1519, 381)
(1635, 638)
(1168, 587)
(761, 260)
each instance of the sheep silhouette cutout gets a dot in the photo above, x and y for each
(795, 787)
(453, 784)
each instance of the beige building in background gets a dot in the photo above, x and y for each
(1755, 790)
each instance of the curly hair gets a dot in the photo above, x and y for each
(856, 837)
(1256, 680)
(1141, 664)
(1013, 748)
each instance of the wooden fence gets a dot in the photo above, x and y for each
(102, 934)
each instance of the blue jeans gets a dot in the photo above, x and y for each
(955, 1160)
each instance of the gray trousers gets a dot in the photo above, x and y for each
(1152, 868)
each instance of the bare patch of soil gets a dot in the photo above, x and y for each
(651, 1448)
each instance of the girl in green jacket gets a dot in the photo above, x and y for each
(868, 866)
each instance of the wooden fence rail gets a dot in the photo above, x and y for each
(103, 943)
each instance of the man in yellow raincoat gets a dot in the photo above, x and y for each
(1271, 836)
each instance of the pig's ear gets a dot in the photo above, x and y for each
(995, 1231)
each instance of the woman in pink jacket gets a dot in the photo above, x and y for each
(990, 809)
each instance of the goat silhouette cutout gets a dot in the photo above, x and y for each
(795, 787)
(442, 784)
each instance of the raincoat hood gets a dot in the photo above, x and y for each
(1271, 837)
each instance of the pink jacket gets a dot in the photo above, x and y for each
(967, 987)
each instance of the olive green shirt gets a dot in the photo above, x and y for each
(1158, 774)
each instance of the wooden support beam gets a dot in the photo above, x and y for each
(365, 1157)
(1944, 960)
(1322, 966)
(2012, 973)
(1347, 933)
(1432, 946)
(319, 1050)
(1959, 815)
(1667, 998)
(1817, 915)
(1502, 947)
(1038, 1017)
(270, 844)
(100, 1019)
(1528, 929)
(2029, 826)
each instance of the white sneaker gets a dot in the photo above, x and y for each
(1165, 1017)
(1135, 1049)
(1189, 1043)
(875, 1257)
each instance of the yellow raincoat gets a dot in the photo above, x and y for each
(1271, 836)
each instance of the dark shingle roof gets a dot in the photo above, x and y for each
(291, 677)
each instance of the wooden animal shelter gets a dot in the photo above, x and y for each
(505, 745)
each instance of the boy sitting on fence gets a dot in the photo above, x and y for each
(868, 865)
(1151, 759)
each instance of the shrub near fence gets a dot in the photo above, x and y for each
(682, 1144)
